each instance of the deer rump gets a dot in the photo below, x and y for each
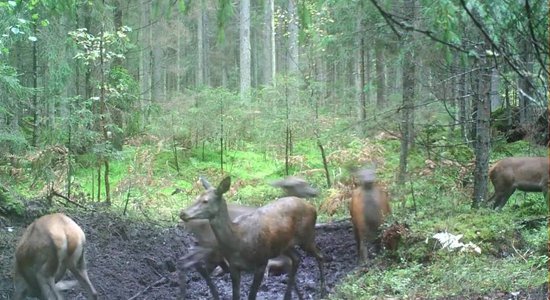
(49, 246)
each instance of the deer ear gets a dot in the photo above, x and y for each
(205, 183)
(224, 186)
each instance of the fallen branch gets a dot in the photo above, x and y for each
(156, 283)
(55, 193)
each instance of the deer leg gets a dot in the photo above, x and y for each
(502, 197)
(235, 282)
(311, 249)
(258, 277)
(81, 274)
(182, 278)
(359, 244)
(205, 274)
(291, 253)
(21, 287)
(47, 288)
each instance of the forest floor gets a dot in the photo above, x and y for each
(138, 260)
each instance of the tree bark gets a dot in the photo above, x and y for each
(244, 45)
(293, 50)
(409, 70)
(269, 44)
(158, 61)
(380, 76)
(360, 73)
(35, 93)
(199, 81)
(482, 137)
(145, 59)
(525, 88)
(495, 95)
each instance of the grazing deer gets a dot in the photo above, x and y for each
(528, 174)
(50, 245)
(368, 208)
(250, 240)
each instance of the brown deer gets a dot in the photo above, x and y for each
(528, 174)
(296, 186)
(250, 240)
(368, 208)
(207, 256)
(50, 245)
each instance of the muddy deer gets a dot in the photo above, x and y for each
(528, 174)
(207, 256)
(250, 240)
(368, 208)
(49, 246)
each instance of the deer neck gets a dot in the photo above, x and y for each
(223, 228)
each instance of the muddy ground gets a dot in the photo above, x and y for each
(133, 260)
(139, 260)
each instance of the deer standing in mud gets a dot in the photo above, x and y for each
(250, 240)
(207, 255)
(49, 246)
(368, 208)
(528, 174)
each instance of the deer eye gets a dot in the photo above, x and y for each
(204, 200)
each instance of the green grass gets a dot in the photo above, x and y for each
(449, 274)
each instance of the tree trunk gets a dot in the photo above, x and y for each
(88, 76)
(158, 60)
(103, 112)
(35, 93)
(482, 137)
(360, 72)
(380, 79)
(244, 45)
(117, 134)
(199, 82)
(294, 52)
(525, 88)
(145, 60)
(273, 45)
(495, 95)
(409, 70)
(269, 44)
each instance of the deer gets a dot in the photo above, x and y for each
(528, 174)
(49, 246)
(207, 256)
(368, 208)
(250, 240)
(296, 186)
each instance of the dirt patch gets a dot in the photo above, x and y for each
(126, 258)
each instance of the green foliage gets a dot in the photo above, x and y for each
(11, 142)
(9, 204)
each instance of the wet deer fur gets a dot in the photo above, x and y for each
(250, 240)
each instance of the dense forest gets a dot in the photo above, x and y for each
(110, 111)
